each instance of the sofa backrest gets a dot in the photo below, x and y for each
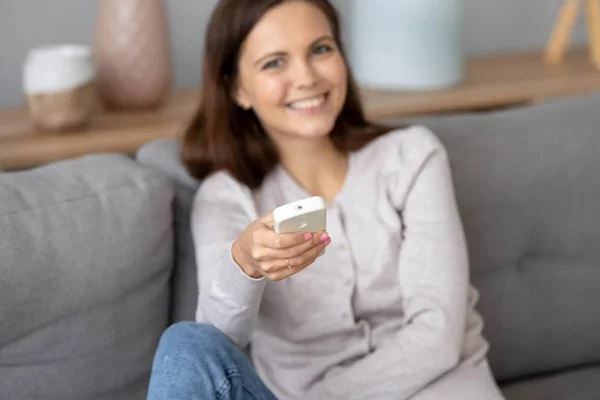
(528, 185)
(86, 251)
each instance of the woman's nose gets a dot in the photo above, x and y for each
(304, 75)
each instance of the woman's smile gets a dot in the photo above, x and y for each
(309, 105)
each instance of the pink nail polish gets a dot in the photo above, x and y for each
(307, 236)
(324, 236)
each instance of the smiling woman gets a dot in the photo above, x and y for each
(386, 313)
(270, 83)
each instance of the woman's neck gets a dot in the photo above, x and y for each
(316, 165)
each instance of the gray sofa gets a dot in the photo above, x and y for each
(96, 257)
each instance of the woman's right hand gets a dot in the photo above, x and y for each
(260, 251)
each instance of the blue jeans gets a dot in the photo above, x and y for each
(198, 362)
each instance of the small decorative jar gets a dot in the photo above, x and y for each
(58, 82)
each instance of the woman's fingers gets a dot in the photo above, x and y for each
(279, 255)
(277, 241)
(278, 269)
(267, 220)
(285, 245)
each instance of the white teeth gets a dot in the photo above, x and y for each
(306, 104)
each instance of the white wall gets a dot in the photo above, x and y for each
(492, 26)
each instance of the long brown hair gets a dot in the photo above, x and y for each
(224, 136)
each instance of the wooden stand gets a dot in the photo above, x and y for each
(567, 16)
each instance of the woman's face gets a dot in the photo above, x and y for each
(291, 72)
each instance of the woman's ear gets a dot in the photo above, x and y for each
(239, 96)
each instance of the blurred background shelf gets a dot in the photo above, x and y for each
(491, 82)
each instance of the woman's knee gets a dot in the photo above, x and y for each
(191, 359)
(192, 346)
(193, 338)
(188, 331)
(200, 359)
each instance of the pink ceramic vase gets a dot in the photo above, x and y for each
(132, 53)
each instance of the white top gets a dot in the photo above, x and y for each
(386, 311)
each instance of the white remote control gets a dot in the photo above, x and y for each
(306, 215)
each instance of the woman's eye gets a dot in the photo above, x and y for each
(273, 64)
(322, 49)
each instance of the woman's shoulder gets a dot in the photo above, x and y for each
(411, 139)
(400, 147)
(221, 186)
(395, 161)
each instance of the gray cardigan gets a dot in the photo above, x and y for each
(386, 313)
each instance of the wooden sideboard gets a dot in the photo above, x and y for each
(491, 82)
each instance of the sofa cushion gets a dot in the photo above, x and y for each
(528, 186)
(578, 384)
(164, 155)
(85, 258)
